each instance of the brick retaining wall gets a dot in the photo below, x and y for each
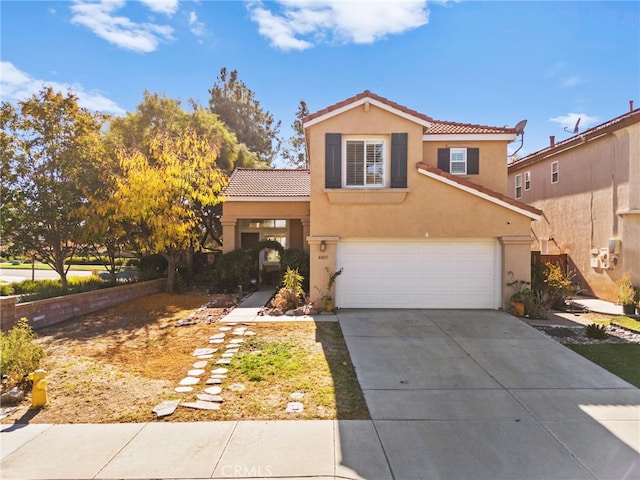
(42, 313)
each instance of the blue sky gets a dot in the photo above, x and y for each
(485, 62)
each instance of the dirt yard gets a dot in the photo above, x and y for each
(118, 364)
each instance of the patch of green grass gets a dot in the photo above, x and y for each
(627, 322)
(264, 360)
(621, 359)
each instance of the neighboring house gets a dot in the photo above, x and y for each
(588, 187)
(414, 210)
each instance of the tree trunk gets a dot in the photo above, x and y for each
(172, 263)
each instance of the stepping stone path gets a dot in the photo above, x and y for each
(293, 407)
(211, 398)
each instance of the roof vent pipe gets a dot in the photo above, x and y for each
(631, 105)
(552, 140)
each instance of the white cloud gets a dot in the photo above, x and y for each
(197, 27)
(16, 85)
(168, 7)
(569, 121)
(561, 72)
(299, 24)
(119, 30)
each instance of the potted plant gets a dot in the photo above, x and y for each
(326, 301)
(627, 294)
(521, 293)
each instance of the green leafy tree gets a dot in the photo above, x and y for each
(295, 152)
(51, 147)
(238, 108)
(158, 189)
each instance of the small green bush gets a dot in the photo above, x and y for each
(20, 356)
(291, 295)
(6, 289)
(233, 269)
(297, 259)
(596, 331)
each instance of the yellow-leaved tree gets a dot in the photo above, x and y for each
(158, 192)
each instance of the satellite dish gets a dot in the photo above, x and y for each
(575, 128)
(519, 128)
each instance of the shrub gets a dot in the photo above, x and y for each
(31, 290)
(6, 289)
(20, 356)
(549, 288)
(297, 259)
(291, 295)
(596, 331)
(624, 290)
(233, 269)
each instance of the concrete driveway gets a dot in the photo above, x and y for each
(481, 395)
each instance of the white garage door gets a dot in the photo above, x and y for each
(418, 274)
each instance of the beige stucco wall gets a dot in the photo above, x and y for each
(427, 206)
(597, 197)
(493, 161)
(296, 211)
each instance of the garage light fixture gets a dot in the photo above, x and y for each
(323, 245)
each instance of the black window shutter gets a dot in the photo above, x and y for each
(399, 160)
(333, 160)
(473, 161)
(443, 159)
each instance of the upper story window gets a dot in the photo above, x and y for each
(554, 172)
(364, 163)
(458, 161)
(527, 181)
(519, 186)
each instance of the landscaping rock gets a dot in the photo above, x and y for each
(210, 398)
(200, 364)
(204, 351)
(195, 372)
(228, 355)
(205, 357)
(217, 335)
(213, 381)
(223, 361)
(237, 387)
(213, 390)
(183, 389)
(216, 340)
(220, 371)
(297, 395)
(295, 407)
(12, 397)
(201, 405)
(224, 329)
(189, 381)
(166, 408)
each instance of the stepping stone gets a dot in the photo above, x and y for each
(293, 407)
(236, 341)
(165, 408)
(213, 390)
(219, 371)
(236, 387)
(213, 381)
(217, 335)
(228, 355)
(200, 364)
(210, 398)
(239, 331)
(206, 357)
(217, 340)
(224, 361)
(249, 333)
(204, 351)
(232, 350)
(231, 324)
(297, 395)
(224, 329)
(189, 381)
(195, 372)
(200, 405)
(218, 376)
(183, 389)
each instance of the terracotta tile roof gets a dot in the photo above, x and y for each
(612, 125)
(360, 96)
(479, 188)
(249, 182)
(439, 127)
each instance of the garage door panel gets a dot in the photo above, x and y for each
(418, 274)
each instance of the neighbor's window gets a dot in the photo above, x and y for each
(554, 172)
(458, 161)
(527, 180)
(364, 165)
(519, 186)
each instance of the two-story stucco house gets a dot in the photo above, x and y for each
(413, 210)
(588, 187)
